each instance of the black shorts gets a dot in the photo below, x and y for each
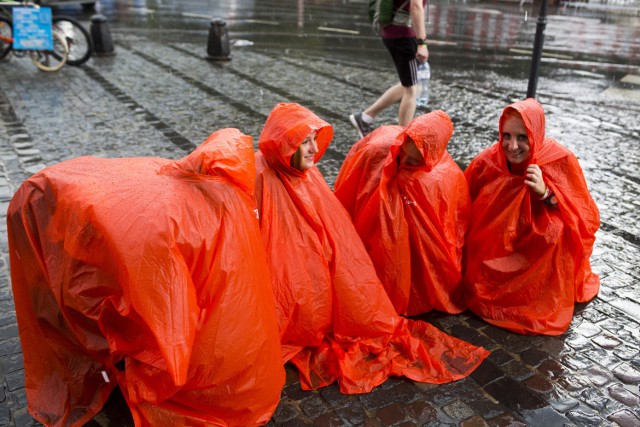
(403, 51)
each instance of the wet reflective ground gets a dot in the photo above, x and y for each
(489, 28)
(159, 96)
(479, 47)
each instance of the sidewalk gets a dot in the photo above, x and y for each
(163, 99)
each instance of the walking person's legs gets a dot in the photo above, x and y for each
(403, 52)
(407, 105)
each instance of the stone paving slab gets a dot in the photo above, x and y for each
(162, 99)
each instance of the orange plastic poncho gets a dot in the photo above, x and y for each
(151, 275)
(412, 219)
(526, 263)
(336, 321)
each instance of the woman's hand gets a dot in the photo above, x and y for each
(535, 181)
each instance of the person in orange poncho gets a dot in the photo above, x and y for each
(533, 227)
(336, 321)
(149, 274)
(410, 203)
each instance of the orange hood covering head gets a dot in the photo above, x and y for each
(532, 115)
(228, 154)
(285, 129)
(430, 133)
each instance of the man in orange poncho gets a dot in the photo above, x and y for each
(336, 321)
(149, 274)
(410, 204)
(532, 230)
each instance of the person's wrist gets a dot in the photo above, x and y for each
(545, 194)
(421, 42)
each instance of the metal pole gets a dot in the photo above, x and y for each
(537, 50)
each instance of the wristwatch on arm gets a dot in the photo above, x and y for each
(548, 197)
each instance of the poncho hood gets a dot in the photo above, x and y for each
(286, 127)
(430, 133)
(228, 154)
(532, 115)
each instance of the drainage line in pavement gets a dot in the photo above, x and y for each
(198, 84)
(291, 61)
(168, 132)
(19, 138)
(622, 175)
(629, 237)
(240, 106)
(311, 105)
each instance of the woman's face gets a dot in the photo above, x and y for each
(307, 152)
(410, 155)
(515, 141)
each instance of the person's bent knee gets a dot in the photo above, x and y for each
(410, 90)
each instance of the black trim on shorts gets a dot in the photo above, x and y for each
(403, 52)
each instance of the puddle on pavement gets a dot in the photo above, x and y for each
(542, 417)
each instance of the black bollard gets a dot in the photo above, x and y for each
(101, 36)
(218, 45)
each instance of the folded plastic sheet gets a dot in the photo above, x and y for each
(149, 274)
(527, 263)
(336, 320)
(412, 219)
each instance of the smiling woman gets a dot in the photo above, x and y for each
(533, 225)
(304, 157)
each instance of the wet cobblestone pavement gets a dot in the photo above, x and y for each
(162, 98)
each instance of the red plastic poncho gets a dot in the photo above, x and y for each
(412, 219)
(526, 263)
(336, 321)
(154, 263)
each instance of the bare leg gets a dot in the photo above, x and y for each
(407, 105)
(405, 95)
(386, 100)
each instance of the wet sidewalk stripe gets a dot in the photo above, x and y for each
(172, 135)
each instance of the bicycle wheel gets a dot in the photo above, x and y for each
(52, 60)
(6, 33)
(77, 36)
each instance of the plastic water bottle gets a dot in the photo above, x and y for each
(424, 75)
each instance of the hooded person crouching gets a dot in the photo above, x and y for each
(410, 204)
(129, 272)
(526, 259)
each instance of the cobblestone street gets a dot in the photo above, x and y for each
(163, 98)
